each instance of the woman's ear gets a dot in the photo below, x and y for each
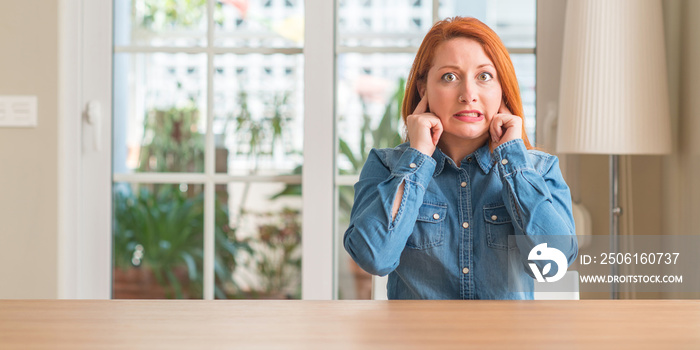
(421, 89)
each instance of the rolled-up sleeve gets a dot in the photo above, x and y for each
(373, 239)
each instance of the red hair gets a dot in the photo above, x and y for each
(471, 28)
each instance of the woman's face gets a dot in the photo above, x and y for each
(463, 90)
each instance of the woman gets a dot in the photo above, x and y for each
(436, 212)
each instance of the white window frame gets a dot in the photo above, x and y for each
(318, 188)
(85, 183)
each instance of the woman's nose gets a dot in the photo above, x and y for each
(468, 93)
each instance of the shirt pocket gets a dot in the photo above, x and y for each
(498, 226)
(429, 229)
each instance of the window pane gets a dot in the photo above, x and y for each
(160, 22)
(258, 241)
(159, 112)
(267, 23)
(513, 20)
(370, 91)
(383, 23)
(158, 241)
(258, 114)
(353, 281)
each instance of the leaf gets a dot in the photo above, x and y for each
(191, 265)
(172, 279)
(347, 152)
(289, 190)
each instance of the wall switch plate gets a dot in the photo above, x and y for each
(18, 111)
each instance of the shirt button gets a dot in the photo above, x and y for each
(504, 162)
(465, 224)
(464, 184)
(494, 217)
(469, 159)
(436, 216)
(413, 165)
(465, 270)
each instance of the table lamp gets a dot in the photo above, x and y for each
(613, 96)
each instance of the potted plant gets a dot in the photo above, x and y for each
(159, 244)
(158, 229)
(277, 255)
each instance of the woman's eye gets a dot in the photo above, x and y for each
(485, 76)
(449, 77)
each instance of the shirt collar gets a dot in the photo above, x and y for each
(482, 156)
(440, 159)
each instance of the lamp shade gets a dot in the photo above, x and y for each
(613, 96)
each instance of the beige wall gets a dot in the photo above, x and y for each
(664, 191)
(682, 170)
(28, 165)
(688, 165)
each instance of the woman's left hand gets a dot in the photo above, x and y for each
(505, 126)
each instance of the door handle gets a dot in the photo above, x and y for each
(93, 116)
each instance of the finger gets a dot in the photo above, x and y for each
(510, 121)
(422, 105)
(503, 109)
(496, 128)
(436, 132)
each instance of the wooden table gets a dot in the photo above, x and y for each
(245, 324)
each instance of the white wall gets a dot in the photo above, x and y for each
(28, 165)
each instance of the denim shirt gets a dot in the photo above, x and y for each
(450, 237)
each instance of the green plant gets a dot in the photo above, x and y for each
(160, 228)
(278, 253)
(165, 223)
(171, 141)
(259, 135)
(385, 135)
(277, 256)
(159, 14)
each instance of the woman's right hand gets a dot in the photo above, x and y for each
(424, 128)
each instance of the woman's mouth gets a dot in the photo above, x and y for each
(469, 116)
